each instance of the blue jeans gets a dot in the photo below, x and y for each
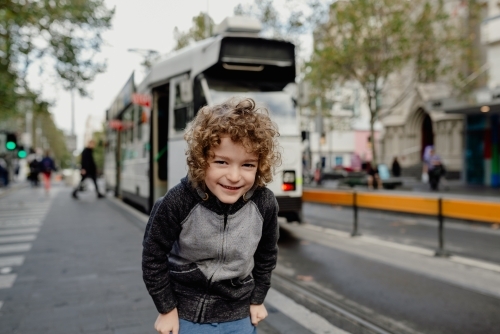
(242, 326)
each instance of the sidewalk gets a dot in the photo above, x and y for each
(74, 266)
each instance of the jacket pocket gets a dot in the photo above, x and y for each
(238, 282)
(235, 289)
(187, 276)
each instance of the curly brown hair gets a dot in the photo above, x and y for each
(244, 123)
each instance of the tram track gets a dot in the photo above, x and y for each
(338, 310)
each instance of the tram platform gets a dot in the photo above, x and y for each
(74, 266)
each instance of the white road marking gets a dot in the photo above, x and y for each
(475, 263)
(310, 320)
(16, 260)
(7, 281)
(17, 238)
(28, 230)
(16, 248)
(6, 270)
(23, 212)
(407, 248)
(20, 223)
(21, 215)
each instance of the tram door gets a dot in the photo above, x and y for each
(159, 140)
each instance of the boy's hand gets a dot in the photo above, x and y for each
(168, 322)
(257, 313)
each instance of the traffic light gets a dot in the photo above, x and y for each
(21, 152)
(11, 142)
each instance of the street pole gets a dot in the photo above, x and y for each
(29, 126)
(319, 129)
(72, 111)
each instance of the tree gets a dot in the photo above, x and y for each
(202, 28)
(66, 34)
(56, 140)
(369, 40)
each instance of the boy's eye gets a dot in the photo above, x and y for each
(220, 162)
(249, 165)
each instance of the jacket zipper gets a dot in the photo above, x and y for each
(222, 259)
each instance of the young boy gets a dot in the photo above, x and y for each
(211, 243)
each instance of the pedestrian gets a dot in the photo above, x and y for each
(211, 242)
(4, 172)
(434, 168)
(373, 176)
(396, 168)
(47, 166)
(34, 171)
(88, 170)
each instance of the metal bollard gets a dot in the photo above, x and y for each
(441, 252)
(355, 232)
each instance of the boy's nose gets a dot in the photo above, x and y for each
(233, 174)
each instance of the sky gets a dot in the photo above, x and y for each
(145, 24)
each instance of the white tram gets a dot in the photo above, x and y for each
(145, 152)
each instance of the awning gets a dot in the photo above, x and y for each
(482, 101)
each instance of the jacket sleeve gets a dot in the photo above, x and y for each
(162, 231)
(266, 255)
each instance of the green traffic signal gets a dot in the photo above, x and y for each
(21, 154)
(10, 145)
(11, 141)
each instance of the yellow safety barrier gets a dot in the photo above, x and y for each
(419, 205)
(451, 208)
(480, 211)
(328, 197)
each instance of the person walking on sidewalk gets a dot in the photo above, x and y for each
(47, 166)
(88, 170)
(435, 169)
(211, 242)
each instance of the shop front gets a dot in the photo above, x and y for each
(482, 143)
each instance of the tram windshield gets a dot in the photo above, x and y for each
(279, 103)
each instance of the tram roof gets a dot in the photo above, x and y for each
(192, 59)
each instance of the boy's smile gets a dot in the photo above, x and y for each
(231, 172)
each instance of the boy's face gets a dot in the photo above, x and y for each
(231, 171)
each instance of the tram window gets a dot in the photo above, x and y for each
(162, 143)
(180, 118)
(183, 112)
(139, 122)
(178, 100)
(199, 98)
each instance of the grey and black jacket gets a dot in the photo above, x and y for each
(209, 259)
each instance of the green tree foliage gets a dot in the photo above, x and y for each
(64, 34)
(202, 28)
(368, 40)
(289, 23)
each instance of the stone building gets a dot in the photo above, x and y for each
(415, 124)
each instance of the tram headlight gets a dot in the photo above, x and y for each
(288, 180)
